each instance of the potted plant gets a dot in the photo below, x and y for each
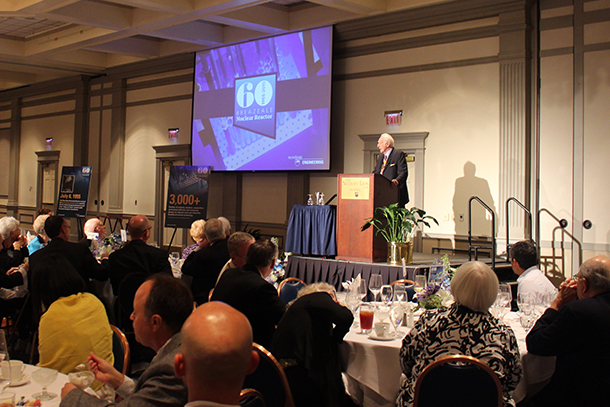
(397, 226)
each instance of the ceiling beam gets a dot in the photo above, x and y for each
(194, 32)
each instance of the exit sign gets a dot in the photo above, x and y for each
(393, 117)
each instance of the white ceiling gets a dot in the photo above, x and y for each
(48, 39)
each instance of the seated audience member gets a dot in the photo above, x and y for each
(198, 235)
(45, 211)
(41, 239)
(161, 306)
(205, 264)
(466, 328)
(216, 355)
(226, 225)
(238, 245)
(246, 290)
(14, 248)
(73, 322)
(137, 255)
(576, 329)
(93, 225)
(306, 343)
(9, 278)
(58, 230)
(524, 260)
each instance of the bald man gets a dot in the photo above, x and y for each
(576, 329)
(137, 255)
(216, 355)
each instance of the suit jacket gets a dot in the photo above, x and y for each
(396, 168)
(579, 335)
(77, 254)
(310, 332)
(204, 266)
(245, 290)
(136, 255)
(157, 386)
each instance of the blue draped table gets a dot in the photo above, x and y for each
(312, 230)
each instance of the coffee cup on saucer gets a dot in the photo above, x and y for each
(382, 329)
(14, 372)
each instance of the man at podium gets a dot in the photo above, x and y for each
(393, 165)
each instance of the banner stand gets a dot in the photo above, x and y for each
(169, 246)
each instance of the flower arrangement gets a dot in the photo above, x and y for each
(109, 244)
(437, 294)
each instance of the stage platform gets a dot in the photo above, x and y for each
(334, 272)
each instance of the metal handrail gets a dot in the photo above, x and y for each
(529, 214)
(563, 223)
(493, 233)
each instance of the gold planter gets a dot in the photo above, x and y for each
(398, 251)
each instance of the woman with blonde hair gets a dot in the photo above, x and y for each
(465, 328)
(198, 235)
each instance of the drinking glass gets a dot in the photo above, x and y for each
(375, 285)
(352, 300)
(4, 381)
(366, 318)
(420, 283)
(525, 303)
(309, 200)
(386, 294)
(362, 290)
(382, 312)
(400, 292)
(397, 313)
(44, 377)
(175, 256)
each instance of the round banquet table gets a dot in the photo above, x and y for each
(26, 390)
(373, 374)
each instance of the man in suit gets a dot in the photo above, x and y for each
(216, 355)
(205, 264)
(58, 230)
(246, 290)
(137, 255)
(393, 165)
(576, 329)
(161, 306)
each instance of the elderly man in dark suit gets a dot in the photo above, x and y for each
(137, 255)
(576, 329)
(58, 230)
(393, 165)
(204, 265)
(246, 290)
(161, 306)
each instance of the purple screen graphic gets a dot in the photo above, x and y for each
(264, 105)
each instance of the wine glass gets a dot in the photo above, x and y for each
(420, 283)
(362, 290)
(375, 285)
(309, 200)
(383, 312)
(397, 313)
(4, 381)
(525, 303)
(400, 292)
(386, 294)
(44, 377)
(352, 300)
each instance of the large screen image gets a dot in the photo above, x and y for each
(264, 105)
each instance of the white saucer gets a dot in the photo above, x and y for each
(25, 379)
(374, 336)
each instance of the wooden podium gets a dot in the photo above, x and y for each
(359, 195)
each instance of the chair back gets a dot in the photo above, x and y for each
(458, 381)
(289, 288)
(127, 290)
(120, 350)
(409, 287)
(269, 380)
(251, 398)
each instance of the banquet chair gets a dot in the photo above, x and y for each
(289, 288)
(465, 382)
(409, 284)
(120, 350)
(269, 379)
(251, 398)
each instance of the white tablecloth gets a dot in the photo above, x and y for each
(32, 387)
(372, 368)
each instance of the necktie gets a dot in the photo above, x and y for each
(385, 161)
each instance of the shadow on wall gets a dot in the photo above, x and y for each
(465, 187)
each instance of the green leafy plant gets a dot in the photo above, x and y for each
(397, 224)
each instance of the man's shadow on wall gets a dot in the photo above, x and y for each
(465, 187)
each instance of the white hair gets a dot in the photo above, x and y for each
(7, 225)
(90, 225)
(387, 137)
(39, 224)
(226, 225)
(475, 286)
(198, 230)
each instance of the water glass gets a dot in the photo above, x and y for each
(420, 283)
(386, 294)
(366, 318)
(400, 292)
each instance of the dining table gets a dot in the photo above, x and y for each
(372, 371)
(26, 387)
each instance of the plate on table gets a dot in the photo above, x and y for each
(25, 379)
(374, 337)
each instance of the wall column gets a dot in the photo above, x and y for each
(117, 147)
(12, 204)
